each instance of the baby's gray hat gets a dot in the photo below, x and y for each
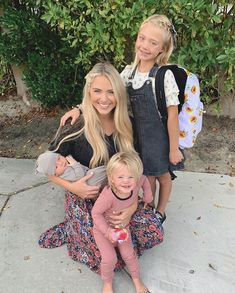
(46, 163)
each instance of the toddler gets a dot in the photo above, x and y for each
(124, 172)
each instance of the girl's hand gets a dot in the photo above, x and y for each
(74, 114)
(176, 157)
(123, 217)
(80, 187)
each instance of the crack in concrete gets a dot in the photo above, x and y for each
(9, 195)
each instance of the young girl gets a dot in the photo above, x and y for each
(124, 172)
(158, 139)
(158, 147)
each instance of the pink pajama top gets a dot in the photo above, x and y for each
(108, 201)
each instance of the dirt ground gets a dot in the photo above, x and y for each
(26, 131)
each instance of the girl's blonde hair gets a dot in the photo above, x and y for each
(161, 21)
(129, 159)
(92, 127)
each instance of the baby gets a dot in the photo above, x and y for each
(50, 163)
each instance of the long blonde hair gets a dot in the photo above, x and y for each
(161, 21)
(92, 128)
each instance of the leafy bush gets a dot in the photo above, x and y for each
(52, 82)
(49, 62)
(206, 42)
(104, 29)
(60, 40)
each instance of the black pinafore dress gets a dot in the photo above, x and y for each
(150, 127)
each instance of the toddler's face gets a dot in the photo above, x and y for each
(123, 180)
(60, 165)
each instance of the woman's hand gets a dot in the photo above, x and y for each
(79, 187)
(123, 217)
(74, 114)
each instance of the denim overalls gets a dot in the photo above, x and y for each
(150, 129)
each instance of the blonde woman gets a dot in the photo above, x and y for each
(103, 129)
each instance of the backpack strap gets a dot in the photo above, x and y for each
(180, 76)
(132, 74)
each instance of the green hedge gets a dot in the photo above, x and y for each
(60, 40)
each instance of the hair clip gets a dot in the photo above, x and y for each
(174, 34)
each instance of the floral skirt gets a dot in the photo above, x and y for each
(76, 232)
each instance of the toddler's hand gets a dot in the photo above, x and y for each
(118, 235)
(110, 235)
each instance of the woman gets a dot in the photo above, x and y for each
(102, 130)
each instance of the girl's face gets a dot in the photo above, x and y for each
(60, 165)
(149, 43)
(102, 95)
(123, 180)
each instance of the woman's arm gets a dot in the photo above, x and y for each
(173, 131)
(79, 187)
(74, 114)
(123, 217)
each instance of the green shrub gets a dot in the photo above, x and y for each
(107, 29)
(52, 82)
(49, 62)
(60, 40)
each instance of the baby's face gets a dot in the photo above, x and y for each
(60, 165)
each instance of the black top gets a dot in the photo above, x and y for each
(81, 150)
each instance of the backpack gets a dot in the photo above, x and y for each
(190, 108)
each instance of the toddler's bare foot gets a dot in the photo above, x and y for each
(139, 286)
(107, 288)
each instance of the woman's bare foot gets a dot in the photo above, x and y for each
(107, 288)
(139, 286)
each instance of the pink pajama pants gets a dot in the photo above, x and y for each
(109, 257)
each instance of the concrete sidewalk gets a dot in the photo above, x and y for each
(197, 255)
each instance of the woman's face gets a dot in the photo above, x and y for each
(102, 95)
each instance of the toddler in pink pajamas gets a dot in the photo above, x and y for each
(124, 171)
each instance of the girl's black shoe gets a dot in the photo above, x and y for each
(161, 217)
